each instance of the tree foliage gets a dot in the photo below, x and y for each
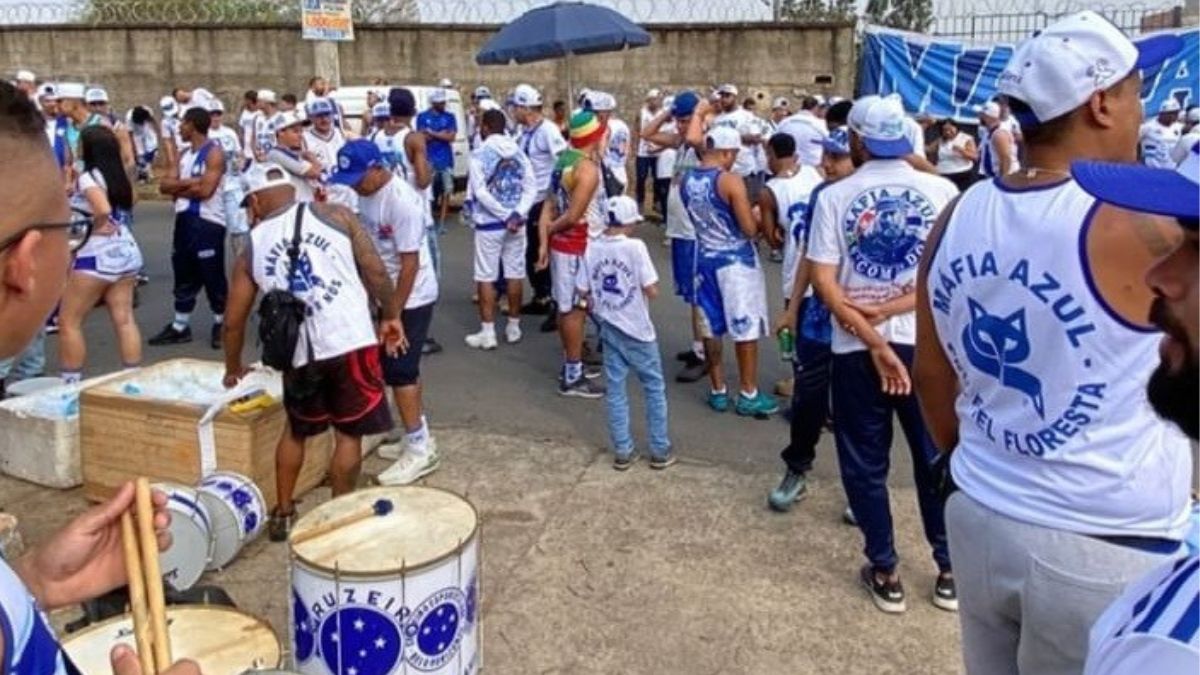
(914, 15)
(230, 11)
(817, 10)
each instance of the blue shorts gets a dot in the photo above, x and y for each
(683, 268)
(404, 370)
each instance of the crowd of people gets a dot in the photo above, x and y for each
(984, 292)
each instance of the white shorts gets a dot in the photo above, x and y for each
(563, 268)
(494, 247)
(733, 301)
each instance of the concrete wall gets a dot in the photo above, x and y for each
(140, 64)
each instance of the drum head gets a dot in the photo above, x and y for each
(223, 641)
(191, 544)
(426, 525)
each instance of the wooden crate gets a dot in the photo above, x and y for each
(123, 436)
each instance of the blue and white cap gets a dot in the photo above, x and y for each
(623, 210)
(1059, 68)
(880, 122)
(838, 141)
(1165, 192)
(355, 159)
(98, 95)
(320, 106)
(381, 110)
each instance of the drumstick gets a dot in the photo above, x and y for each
(381, 507)
(137, 593)
(160, 641)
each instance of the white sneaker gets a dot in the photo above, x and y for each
(409, 468)
(396, 449)
(512, 333)
(482, 340)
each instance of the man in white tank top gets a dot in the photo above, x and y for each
(336, 378)
(1032, 350)
(323, 140)
(198, 245)
(231, 186)
(1154, 627)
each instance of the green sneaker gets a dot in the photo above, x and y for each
(718, 401)
(761, 405)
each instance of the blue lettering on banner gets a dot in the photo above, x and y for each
(998, 345)
(950, 78)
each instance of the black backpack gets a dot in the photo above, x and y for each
(281, 314)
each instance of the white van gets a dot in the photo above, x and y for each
(354, 101)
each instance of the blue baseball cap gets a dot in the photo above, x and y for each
(1165, 192)
(685, 104)
(838, 141)
(320, 106)
(354, 160)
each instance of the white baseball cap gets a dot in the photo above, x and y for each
(486, 104)
(482, 92)
(880, 122)
(382, 110)
(215, 106)
(48, 92)
(168, 105)
(289, 119)
(780, 102)
(1058, 69)
(438, 96)
(70, 90)
(96, 95)
(1193, 115)
(26, 76)
(653, 93)
(623, 210)
(990, 109)
(526, 96)
(263, 177)
(1169, 106)
(446, 83)
(266, 96)
(722, 138)
(728, 89)
(603, 101)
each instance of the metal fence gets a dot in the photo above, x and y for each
(1014, 21)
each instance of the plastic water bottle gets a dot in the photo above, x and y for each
(787, 345)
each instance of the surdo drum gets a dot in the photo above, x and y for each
(237, 509)
(191, 537)
(390, 594)
(222, 641)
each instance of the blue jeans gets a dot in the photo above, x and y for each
(864, 444)
(622, 354)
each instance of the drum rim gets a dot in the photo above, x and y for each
(403, 569)
(67, 639)
(262, 498)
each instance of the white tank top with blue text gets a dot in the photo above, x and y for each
(792, 197)
(1054, 425)
(339, 319)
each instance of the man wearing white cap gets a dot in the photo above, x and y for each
(440, 128)
(730, 288)
(781, 109)
(97, 102)
(264, 130)
(246, 123)
(732, 115)
(171, 141)
(1033, 354)
(323, 139)
(867, 234)
(1157, 137)
(27, 84)
(231, 185)
(289, 153)
(56, 126)
(616, 155)
(542, 143)
(647, 152)
(998, 148)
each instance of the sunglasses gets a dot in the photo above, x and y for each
(79, 229)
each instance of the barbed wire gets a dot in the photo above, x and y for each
(967, 18)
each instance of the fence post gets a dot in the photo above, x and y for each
(326, 63)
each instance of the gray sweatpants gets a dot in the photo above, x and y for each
(1028, 595)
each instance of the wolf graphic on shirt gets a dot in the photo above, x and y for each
(996, 344)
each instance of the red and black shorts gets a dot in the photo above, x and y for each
(345, 391)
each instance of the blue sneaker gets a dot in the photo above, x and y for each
(718, 401)
(759, 406)
(793, 487)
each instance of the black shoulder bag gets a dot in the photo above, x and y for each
(281, 314)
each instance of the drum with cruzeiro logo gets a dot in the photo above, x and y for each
(221, 640)
(238, 511)
(191, 536)
(390, 594)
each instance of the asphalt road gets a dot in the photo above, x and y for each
(511, 390)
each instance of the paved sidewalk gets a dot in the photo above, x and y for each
(588, 570)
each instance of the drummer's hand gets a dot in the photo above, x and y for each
(125, 662)
(85, 559)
